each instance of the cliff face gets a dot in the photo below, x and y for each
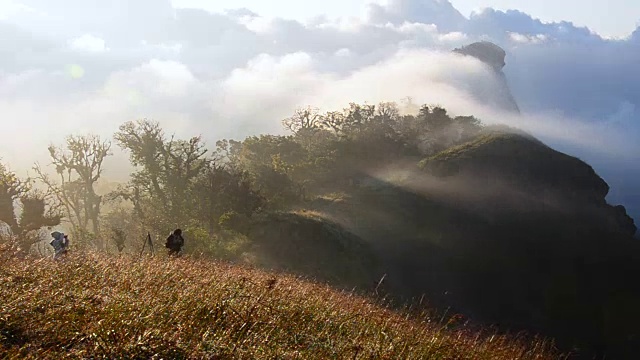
(494, 57)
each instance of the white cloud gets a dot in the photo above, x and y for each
(257, 24)
(163, 48)
(414, 28)
(344, 52)
(527, 39)
(268, 87)
(239, 73)
(453, 37)
(10, 9)
(437, 12)
(89, 43)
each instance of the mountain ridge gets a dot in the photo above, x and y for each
(494, 216)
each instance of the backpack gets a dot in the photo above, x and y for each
(174, 242)
(170, 242)
(58, 242)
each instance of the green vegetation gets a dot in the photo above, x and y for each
(482, 221)
(488, 136)
(213, 193)
(146, 309)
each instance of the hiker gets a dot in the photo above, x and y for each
(175, 242)
(60, 244)
(119, 237)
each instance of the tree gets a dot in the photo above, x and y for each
(227, 153)
(278, 166)
(121, 227)
(303, 119)
(469, 127)
(11, 189)
(387, 112)
(18, 197)
(162, 186)
(359, 115)
(334, 121)
(223, 189)
(432, 130)
(79, 165)
(177, 185)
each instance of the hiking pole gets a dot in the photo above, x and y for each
(150, 244)
(147, 240)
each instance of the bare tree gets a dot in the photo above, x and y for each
(334, 121)
(303, 119)
(79, 165)
(388, 111)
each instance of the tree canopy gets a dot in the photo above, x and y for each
(213, 192)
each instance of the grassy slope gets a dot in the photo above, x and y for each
(485, 139)
(508, 155)
(106, 307)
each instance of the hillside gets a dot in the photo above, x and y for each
(483, 221)
(515, 165)
(91, 306)
(308, 244)
(506, 231)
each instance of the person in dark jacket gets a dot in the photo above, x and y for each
(175, 242)
(60, 244)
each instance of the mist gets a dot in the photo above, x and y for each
(235, 74)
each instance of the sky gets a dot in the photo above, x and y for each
(621, 19)
(612, 18)
(87, 66)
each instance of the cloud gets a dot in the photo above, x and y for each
(438, 12)
(114, 20)
(88, 66)
(584, 80)
(88, 43)
(11, 8)
(499, 24)
(527, 39)
(164, 79)
(269, 87)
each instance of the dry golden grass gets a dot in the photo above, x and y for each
(94, 306)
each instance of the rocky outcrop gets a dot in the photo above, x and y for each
(487, 52)
(494, 57)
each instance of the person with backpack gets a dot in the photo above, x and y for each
(60, 244)
(175, 242)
